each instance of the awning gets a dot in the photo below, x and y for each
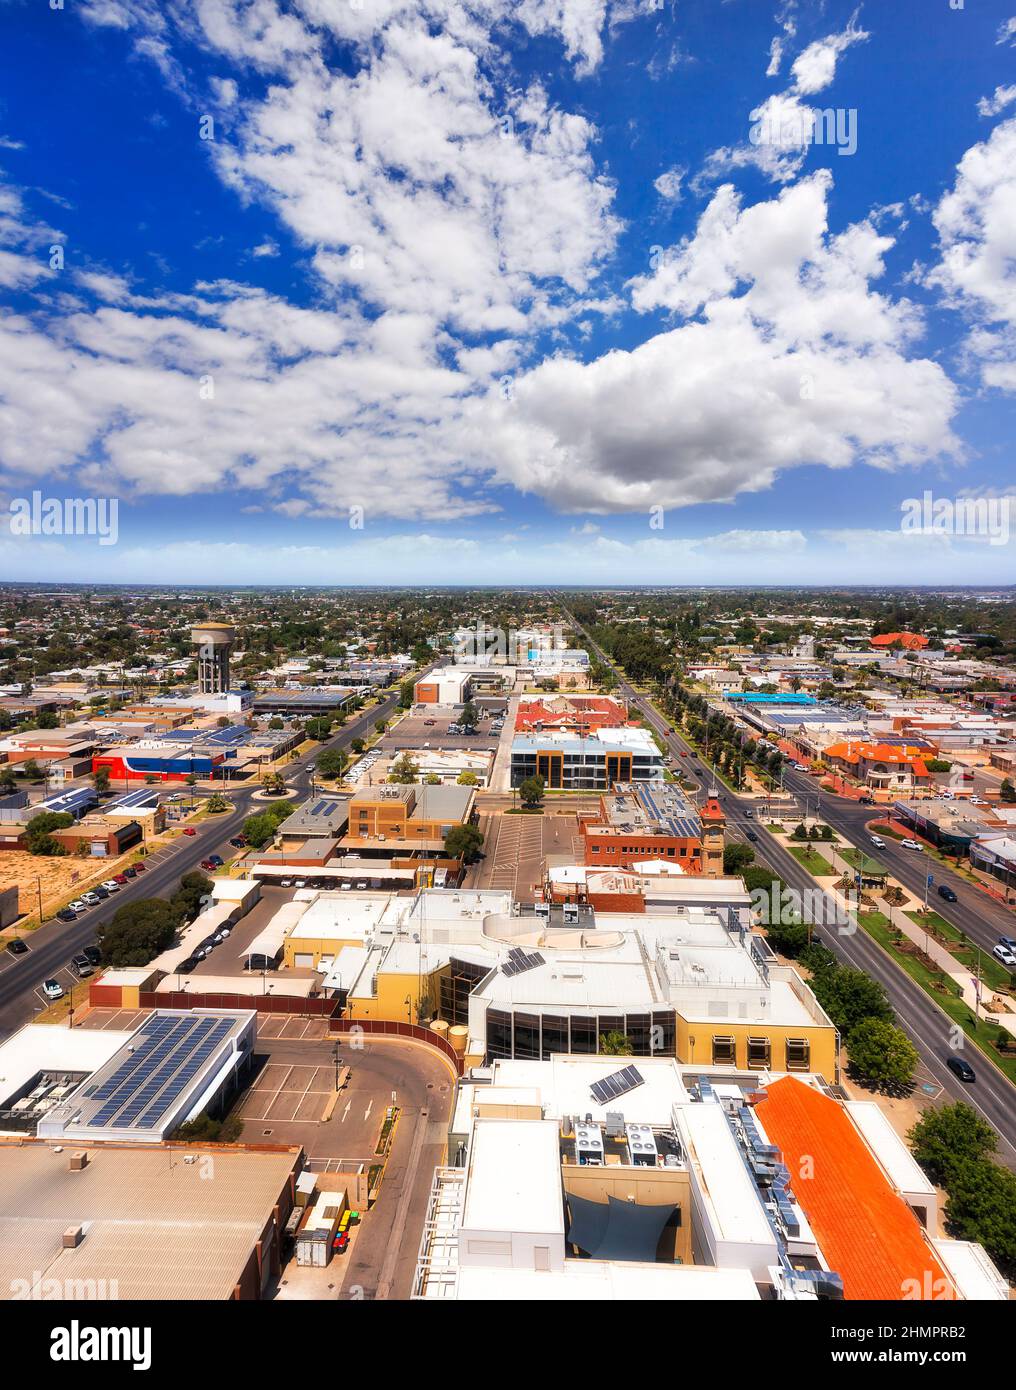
(616, 1230)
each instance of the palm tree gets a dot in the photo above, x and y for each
(614, 1044)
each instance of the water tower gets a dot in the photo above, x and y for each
(214, 642)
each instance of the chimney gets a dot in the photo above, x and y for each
(79, 1161)
(72, 1237)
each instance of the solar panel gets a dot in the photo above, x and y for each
(619, 1083)
(517, 961)
(167, 1058)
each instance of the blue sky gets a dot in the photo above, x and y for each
(526, 290)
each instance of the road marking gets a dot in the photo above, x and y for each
(345, 1112)
(370, 1107)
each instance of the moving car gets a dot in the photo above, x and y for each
(1008, 941)
(944, 891)
(17, 947)
(189, 830)
(1007, 957)
(911, 844)
(960, 1068)
(748, 812)
(877, 841)
(752, 836)
(52, 989)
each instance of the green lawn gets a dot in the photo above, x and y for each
(857, 859)
(941, 989)
(814, 862)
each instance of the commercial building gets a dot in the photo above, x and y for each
(397, 815)
(884, 769)
(97, 1086)
(595, 762)
(305, 703)
(578, 714)
(142, 1222)
(601, 1178)
(640, 821)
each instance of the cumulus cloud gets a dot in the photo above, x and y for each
(997, 102)
(787, 357)
(976, 272)
(668, 185)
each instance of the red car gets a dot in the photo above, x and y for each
(207, 864)
(340, 1242)
(189, 830)
(121, 878)
(139, 867)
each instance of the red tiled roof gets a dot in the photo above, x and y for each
(911, 640)
(867, 1233)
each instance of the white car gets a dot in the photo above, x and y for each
(978, 801)
(1006, 956)
(79, 905)
(947, 796)
(92, 899)
(911, 844)
(877, 841)
(111, 885)
(52, 989)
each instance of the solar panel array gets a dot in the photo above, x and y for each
(168, 1054)
(619, 1083)
(517, 961)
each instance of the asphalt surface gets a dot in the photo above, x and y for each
(927, 1025)
(52, 946)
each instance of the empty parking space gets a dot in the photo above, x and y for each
(289, 1094)
(288, 1027)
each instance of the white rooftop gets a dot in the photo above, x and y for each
(736, 1213)
(581, 1280)
(513, 1182)
(564, 1083)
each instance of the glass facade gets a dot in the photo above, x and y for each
(534, 1036)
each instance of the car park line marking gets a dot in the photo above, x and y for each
(370, 1107)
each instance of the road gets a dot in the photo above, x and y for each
(927, 1025)
(52, 946)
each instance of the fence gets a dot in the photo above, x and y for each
(380, 1027)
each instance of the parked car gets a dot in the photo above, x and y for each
(92, 899)
(207, 864)
(186, 966)
(120, 878)
(189, 830)
(130, 871)
(78, 905)
(53, 989)
(92, 954)
(83, 966)
(17, 947)
(944, 891)
(238, 842)
(67, 914)
(111, 885)
(101, 891)
(961, 1068)
(911, 844)
(216, 859)
(139, 867)
(1007, 957)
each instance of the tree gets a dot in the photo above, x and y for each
(948, 1136)
(531, 790)
(194, 889)
(260, 828)
(101, 780)
(407, 693)
(216, 804)
(469, 716)
(380, 726)
(137, 932)
(882, 1054)
(736, 856)
(318, 729)
(789, 938)
(466, 778)
(848, 996)
(275, 784)
(1007, 792)
(432, 780)
(404, 771)
(32, 770)
(332, 762)
(358, 745)
(615, 1044)
(463, 842)
(276, 722)
(38, 837)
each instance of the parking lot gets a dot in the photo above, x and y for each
(516, 847)
(430, 729)
(288, 1093)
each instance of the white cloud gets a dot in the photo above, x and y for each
(976, 273)
(1007, 32)
(814, 69)
(668, 185)
(795, 360)
(997, 102)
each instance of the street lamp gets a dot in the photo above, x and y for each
(338, 1061)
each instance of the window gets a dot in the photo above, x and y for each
(583, 1034)
(555, 1035)
(527, 1036)
(499, 1033)
(759, 1052)
(724, 1050)
(798, 1054)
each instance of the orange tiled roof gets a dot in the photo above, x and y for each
(851, 752)
(911, 640)
(867, 1233)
